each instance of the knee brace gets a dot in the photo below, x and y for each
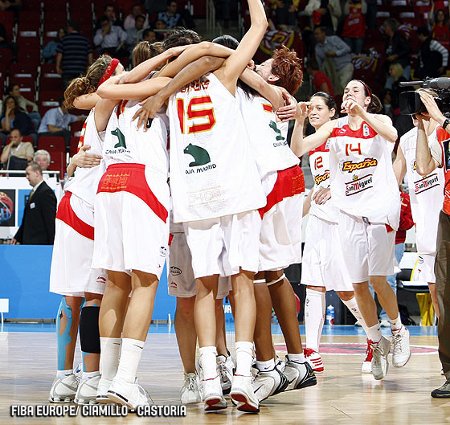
(64, 338)
(89, 331)
(272, 282)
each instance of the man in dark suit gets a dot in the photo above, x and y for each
(38, 223)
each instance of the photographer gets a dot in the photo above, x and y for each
(428, 158)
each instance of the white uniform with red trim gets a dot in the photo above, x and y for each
(427, 197)
(215, 185)
(71, 272)
(323, 264)
(282, 180)
(132, 202)
(365, 190)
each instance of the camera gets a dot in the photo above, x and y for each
(410, 102)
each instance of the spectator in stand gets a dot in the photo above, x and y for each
(24, 104)
(324, 13)
(333, 57)
(136, 11)
(397, 49)
(354, 27)
(110, 12)
(433, 56)
(406, 223)
(110, 39)
(17, 154)
(320, 81)
(74, 54)
(134, 35)
(56, 122)
(284, 13)
(13, 117)
(439, 26)
(51, 48)
(42, 157)
(38, 223)
(149, 35)
(161, 30)
(171, 17)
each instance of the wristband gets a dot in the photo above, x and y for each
(445, 123)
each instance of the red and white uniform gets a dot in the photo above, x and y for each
(215, 185)
(71, 272)
(283, 182)
(364, 188)
(427, 196)
(440, 149)
(323, 263)
(132, 202)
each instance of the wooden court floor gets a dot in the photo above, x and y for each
(343, 395)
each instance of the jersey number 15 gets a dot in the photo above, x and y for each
(199, 109)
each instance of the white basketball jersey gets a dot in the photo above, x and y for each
(84, 183)
(126, 143)
(212, 171)
(319, 162)
(268, 139)
(363, 183)
(426, 194)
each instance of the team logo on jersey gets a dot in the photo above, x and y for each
(428, 182)
(358, 185)
(121, 139)
(279, 137)
(201, 158)
(175, 271)
(366, 130)
(320, 178)
(351, 166)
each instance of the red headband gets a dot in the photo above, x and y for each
(108, 71)
(366, 88)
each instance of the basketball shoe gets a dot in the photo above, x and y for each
(126, 394)
(401, 351)
(64, 389)
(102, 390)
(190, 392)
(380, 363)
(243, 395)
(300, 375)
(87, 390)
(212, 395)
(269, 382)
(367, 363)
(225, 368)
(314, 360)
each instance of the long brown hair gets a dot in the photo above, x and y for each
(87, 83)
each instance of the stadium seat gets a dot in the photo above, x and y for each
(51, 143)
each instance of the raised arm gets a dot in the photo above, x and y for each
(86, 101)
(382, 124)
(425, 163)
(272, 93)
(230, 71)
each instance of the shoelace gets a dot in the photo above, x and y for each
(223, 371)
(190, 383)
(397, 349)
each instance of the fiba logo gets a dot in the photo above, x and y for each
(6, 207)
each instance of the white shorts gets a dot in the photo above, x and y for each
(181, 278)
(368, 249)
(323, 264)
(424, 269)
(281, 227)
(71, 273)
(131, 222)
(224, 245)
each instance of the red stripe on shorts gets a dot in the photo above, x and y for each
(66, 214)
(289, 182)
(127, 177)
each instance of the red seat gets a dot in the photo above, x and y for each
(51, 82)
(52, 143)
(74, 145)
(7, 20)
(76, 126)
(45, 105)
(58, 162)
(6, 57)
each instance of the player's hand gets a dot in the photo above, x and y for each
(302, 111)
(352, 107)
(83, 159)
(177, 50)
(288, 111)
(432, 108)
(150, 107)
(321, 195)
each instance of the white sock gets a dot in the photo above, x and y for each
(208, 361)
(130, 356)
(62, 373)
(244, 358)
(314, 317)
(352, 305)
(87, 375)
(374, 333)
(396, 325)
(298, 358)
(265, 366)
(109, 359)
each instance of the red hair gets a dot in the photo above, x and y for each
(287, 67)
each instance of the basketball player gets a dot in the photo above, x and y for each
(427, 196)
(71, 272)
(364, 188)
(323, 268)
